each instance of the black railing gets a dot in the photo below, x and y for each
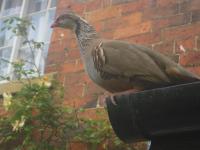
(169, 117)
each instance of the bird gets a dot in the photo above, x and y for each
(117, 65)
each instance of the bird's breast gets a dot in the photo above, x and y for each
(111, 85)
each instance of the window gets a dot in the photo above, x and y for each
(11, 7)
(41, 13)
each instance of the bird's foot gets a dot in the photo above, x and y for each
(101, 101)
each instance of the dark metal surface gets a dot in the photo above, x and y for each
(156, 113)
(181, 141)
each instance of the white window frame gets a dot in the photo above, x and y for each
(17, 40)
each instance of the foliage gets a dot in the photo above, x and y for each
(98, 132)
(35, 116)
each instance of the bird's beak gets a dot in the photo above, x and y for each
(55, 24)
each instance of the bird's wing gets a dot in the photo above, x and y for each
(179, 74)
(115, 59)
(174, 71)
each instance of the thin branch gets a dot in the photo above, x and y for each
(33, 55)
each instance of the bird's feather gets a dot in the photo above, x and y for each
(140, 65)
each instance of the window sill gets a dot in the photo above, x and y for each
(14, 86)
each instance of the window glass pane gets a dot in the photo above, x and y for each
(50, 21)
(37, 5)
(26, 55)
(40, 55)
(5, 37)
(43, 58)
(53, 3)
(39, 24)
(4, 55)
(12, 7)
(1, 4)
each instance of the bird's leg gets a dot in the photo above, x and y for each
(102, 98)
(112, 96)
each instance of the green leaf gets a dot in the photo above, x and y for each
(3, 28)
(33, 27)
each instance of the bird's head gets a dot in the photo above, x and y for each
(67, 20)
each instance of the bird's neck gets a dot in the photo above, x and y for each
(85, 34)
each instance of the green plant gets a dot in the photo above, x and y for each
(36, 118)
(99, 133)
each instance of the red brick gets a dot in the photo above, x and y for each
(197, 43)
(173, 57)
(182, 31)
(102, 14)
(187, 43)
(99, 26)
(78, 146)
(116, 2)
(93, 5)
(74, 78)
(149, 3)
(160, 12)
(76, 102)
(78, 8)
(106, 3)
(137, 6)
(131, 7)
(189, 5)
(71, 43)
(55, 58)
(55, 47)
(145, 39)
(73, 54)
(71, 67)
(94, 90)
(58, 33)
(63, 3)
(190, 59)
(74, 97)
(62, 45)
(51, 68)
(123, 21)
(195, 70)
(111, 24)
(60, 77)
(171, 21)
(144, 27)
(196, 16)
(166, 47)
(74, 91)
(107, 34)
(161, 3)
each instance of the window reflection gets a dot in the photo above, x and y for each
(39, 24)
(5, 37)
(1, 4)
(41, 13)
(37, 5)
(53, 3)
(12, 7)
(5, 54)
(43, 58)
(26, 55)
(50, 21)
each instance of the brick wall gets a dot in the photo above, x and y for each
(169, 26)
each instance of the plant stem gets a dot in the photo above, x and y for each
(33, 55)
